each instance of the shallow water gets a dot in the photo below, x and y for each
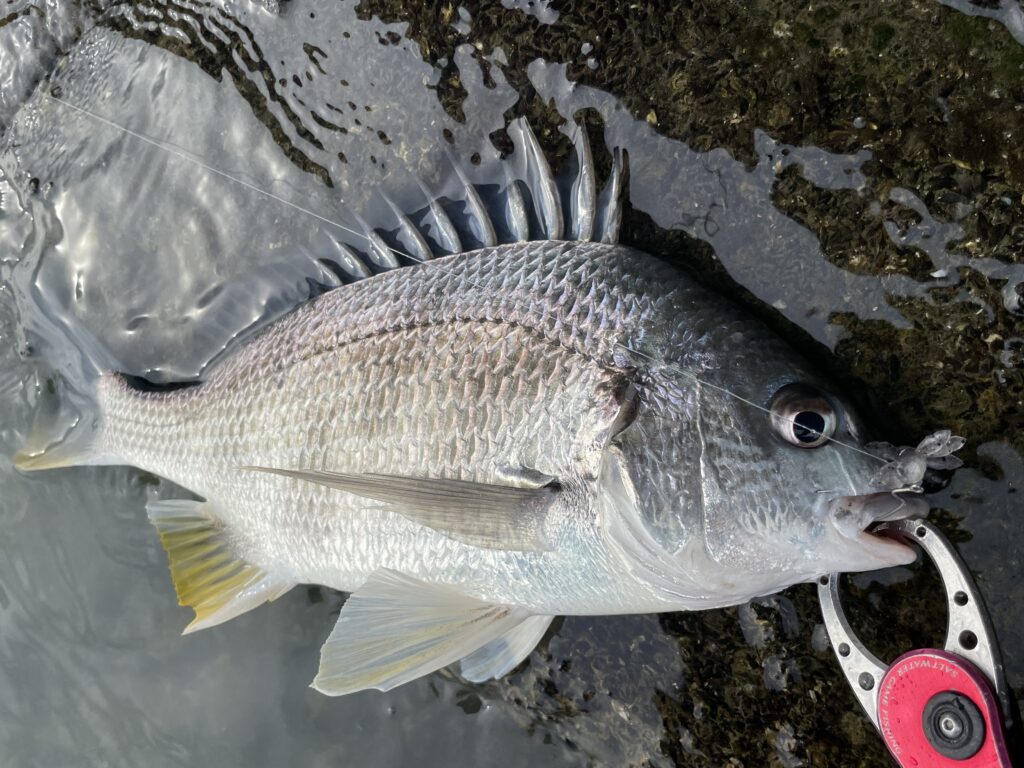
(115, 252)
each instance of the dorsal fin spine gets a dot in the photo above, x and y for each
(586, 216)
(417, 244)
(447, 234)
(379, 252)
(518, 220)
(610, 204)
(352, 265)
(543, 185)
(584, 190)
(488, 237)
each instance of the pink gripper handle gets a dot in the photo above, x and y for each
(932, 688)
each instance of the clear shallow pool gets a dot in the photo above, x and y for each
(832, 215)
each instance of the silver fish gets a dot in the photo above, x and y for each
(478, 443)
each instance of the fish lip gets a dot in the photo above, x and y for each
(852, 514)
(855, 517)
(893, 505)
(885, 550)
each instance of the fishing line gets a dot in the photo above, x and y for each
(177, 152)
(742, 399)
(168, 147)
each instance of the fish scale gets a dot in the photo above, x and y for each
(504, 389)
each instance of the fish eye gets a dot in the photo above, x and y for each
(802, 416)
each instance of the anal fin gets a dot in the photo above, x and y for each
(208, 576)
(395, 629)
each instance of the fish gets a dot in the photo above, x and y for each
(473, 441)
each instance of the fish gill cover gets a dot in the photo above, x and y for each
(853, 176)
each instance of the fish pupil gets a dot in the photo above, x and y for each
(808, 426)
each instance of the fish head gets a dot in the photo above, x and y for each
(749, 478)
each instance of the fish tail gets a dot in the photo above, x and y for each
(67, 430)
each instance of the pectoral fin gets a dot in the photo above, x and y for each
(208, 576)
(395, 629)
(479, 514)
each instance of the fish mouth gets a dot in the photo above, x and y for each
(885, 552)
(856, 517)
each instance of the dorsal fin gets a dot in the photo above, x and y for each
(484, 227)
(542, 183)
(518, 218)
(381, 254)
(351, 265)
(415, 243)
(447, 234)
(584, 188)
(529, 205)
(610, 205)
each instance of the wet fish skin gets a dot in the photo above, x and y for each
(479, 367)
(445, 370)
